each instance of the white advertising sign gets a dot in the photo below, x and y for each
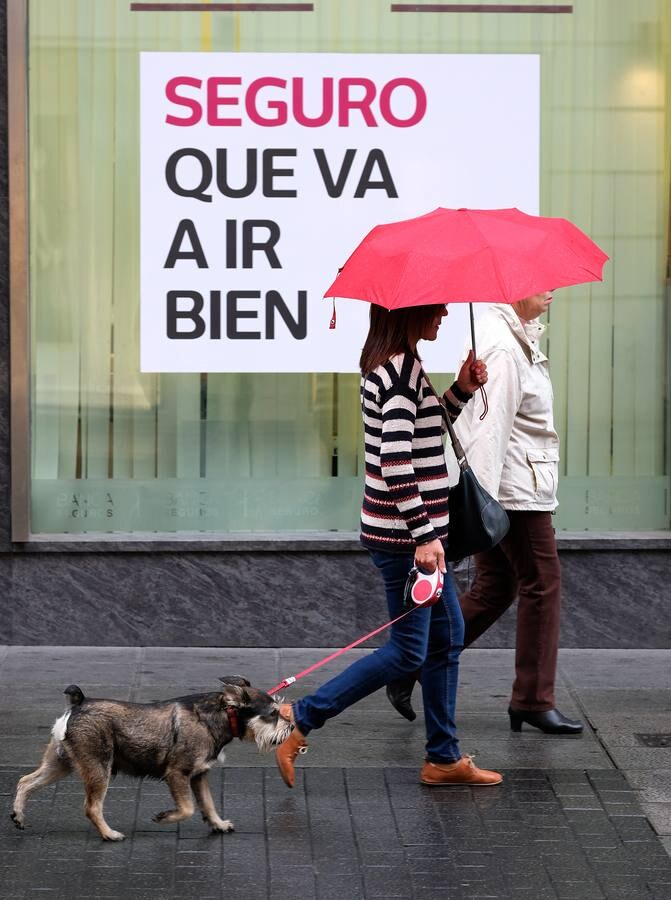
(261, 172)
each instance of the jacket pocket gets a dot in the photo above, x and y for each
(545, 469)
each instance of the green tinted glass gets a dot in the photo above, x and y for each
(116, 450)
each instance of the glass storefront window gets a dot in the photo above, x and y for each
(114, 450)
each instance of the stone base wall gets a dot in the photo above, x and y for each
(290, 599)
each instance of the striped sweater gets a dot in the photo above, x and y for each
(406, 489)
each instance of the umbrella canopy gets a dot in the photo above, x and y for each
(467, 255)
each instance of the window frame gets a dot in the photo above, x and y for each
(17, 122)
(20, 357)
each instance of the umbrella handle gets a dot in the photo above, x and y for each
(470, 310)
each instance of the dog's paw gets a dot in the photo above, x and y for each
(114, 836)
(224, 826)
(17, 821)
(162, 816)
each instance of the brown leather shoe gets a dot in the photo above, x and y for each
(464, 771)
(286, 753)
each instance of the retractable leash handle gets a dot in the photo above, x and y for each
(421, 589)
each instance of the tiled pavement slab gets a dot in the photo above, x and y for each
(345, 834)
(585, 817)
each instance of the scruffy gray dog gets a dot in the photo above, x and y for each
(176, 740)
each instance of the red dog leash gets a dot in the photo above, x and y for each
(422, 589)
(292, 678)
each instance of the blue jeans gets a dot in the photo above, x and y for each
(430, 639)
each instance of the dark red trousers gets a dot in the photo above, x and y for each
(526, 565)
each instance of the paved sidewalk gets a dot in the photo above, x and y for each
(585, 817)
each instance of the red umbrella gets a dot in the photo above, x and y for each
(467, 255)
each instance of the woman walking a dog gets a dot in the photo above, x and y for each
(404, 522)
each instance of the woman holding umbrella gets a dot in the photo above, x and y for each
(404, 521)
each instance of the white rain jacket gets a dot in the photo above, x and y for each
(514, 451)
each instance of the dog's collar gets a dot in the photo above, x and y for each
(233, 721)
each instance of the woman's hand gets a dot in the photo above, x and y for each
(472, 375)
(428, 556)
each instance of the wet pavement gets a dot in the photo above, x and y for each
(576, 817)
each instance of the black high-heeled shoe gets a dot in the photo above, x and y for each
(549, 721)
(399, 693)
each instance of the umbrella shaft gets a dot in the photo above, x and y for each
(470, 310)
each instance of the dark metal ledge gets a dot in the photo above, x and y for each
(614, 540)
(221, 7)
(481, 8)
(341, 542)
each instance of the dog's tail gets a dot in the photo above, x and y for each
(75, 693)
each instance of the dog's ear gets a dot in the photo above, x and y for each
(235, 679)
(234, 695)
(75, 694)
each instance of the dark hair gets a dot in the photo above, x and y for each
(394, 331)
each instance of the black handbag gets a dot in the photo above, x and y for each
(477, 521)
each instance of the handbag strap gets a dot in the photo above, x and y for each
(456, 443)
